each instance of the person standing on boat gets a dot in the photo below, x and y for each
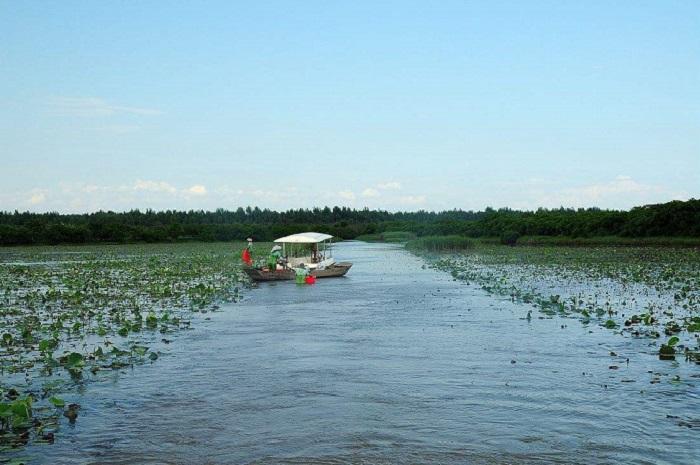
(276, 251)
(247, 255)
(314, 253)
(275, 256)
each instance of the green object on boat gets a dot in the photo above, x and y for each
(300, 274)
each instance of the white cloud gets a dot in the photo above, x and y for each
(154, 186)
(620, 185)
(370, 192)
(275, 195)
(412, 200)
(95, 107)
(270, 198)
(91, 188)
(37, 197)
(197, 189)
(347, 195)
(621, 192)
(391, 185)
(376, 191)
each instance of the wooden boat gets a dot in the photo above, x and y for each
(337, 269)
(309, 252)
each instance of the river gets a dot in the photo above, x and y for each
(395, 363)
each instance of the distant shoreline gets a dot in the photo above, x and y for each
(674, 223)
(553, 241)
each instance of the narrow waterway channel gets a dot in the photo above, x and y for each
(395, 363)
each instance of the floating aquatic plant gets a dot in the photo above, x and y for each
(667, 351)
(641, 292)
(84, 310)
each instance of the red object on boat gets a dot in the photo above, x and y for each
(310, 279)
(245, 256)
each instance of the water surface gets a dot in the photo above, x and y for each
(395, 363)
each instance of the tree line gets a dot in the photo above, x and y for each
(672, 219)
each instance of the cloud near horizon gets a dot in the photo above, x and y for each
(622, 192)
(197, 189)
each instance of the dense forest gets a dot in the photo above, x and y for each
(672, 219)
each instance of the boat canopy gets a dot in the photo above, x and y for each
(304, 238)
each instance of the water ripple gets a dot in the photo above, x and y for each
(393, 364)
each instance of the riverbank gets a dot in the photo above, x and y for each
(462, 242)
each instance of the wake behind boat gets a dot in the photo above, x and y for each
(304, 254)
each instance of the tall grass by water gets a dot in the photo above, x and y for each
(457, 242)
(440, 243)
(611, 241)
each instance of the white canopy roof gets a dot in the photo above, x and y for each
(305, 238)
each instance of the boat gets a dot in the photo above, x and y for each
(308, 253)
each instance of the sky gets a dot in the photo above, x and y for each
(397, 105)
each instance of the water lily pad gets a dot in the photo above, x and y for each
(57, 401)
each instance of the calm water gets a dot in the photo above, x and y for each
(392, 364)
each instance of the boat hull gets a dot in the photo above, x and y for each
(337, 269)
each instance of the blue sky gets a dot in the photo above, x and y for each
(395, 105)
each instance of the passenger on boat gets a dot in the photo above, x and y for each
(274, 257)
(247, 254)
(276, 251)
(249, 246)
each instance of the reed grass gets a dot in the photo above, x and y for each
(612, 241)
(440, 243)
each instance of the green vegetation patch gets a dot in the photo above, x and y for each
(609, 241)
(673, 223)
(441, 243)
(642, 292)
(70, 314)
